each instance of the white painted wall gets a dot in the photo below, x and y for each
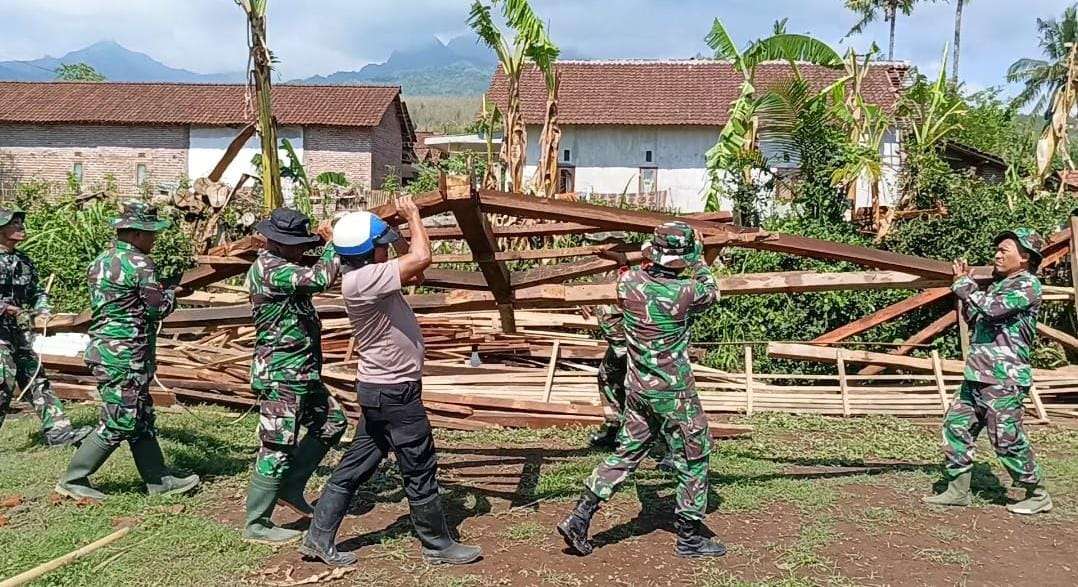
(608, 160)
(208, 145)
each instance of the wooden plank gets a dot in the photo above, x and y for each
(1059, 336)
(923, 336)
(550, 371)
(844, 388)
(484, 245)
(802, 246)
(799, 351)
(1073, 254)
(748, 380)
(937, 371)
(533, 254)
(884, 315)
(230, 153)
(1038, 405)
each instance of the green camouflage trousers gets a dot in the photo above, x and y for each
(680, 420)
(285, 407)
(999, 409)
(126, 406)
(612, 385)
(17, 364)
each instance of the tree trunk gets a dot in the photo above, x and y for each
(893, 9)
(267, 129)
(957, 40)
(515, 140)
(546, 173)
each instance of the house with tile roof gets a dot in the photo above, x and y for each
(158, 133)
(641, 127)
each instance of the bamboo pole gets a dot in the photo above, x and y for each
(40, 570)
(748, 379)
(937, 371)
(845, 390)
(549, 386)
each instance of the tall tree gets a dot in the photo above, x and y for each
(1043, 78)
(870, 11)
(78, 72)
(260, 61)
(530, 41)
(957, 39)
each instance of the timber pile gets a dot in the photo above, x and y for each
(508, 348)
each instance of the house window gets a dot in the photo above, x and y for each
(142, 175)
(76, 172)
(649, 180)
(647, 156)
(565, 155)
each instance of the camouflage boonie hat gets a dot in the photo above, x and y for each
(1028, 240)
(140, 216)
(6, 216)
(673, 245)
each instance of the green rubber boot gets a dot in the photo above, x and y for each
(308, 455)
(150, 463)
(91, 454)
(258, 527)
(1037, 501)
(957, 492)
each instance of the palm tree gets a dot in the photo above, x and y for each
(1043, 78)
(870, 10)
(530, 43)
(957, 39)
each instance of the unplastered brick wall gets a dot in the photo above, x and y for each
(50, 152)
(346, 149)
(386, 154)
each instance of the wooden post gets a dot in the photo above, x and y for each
(56, 563)
(842, 383)
(937, 370)
(549, 387)
(1074, 262)
(1042, 414)
(748, 379)
(963, 329)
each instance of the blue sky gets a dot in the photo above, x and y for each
(322, 36)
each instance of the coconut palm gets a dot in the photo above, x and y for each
(1042, 78)
(530, 44)
(871, 10)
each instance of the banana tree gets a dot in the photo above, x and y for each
(1054, 138)
(489, 119)
(546, 173)
(530, 41)
(259, 64)
(736, 152)
(863, 159)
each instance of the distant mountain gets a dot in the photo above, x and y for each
(115, 62)
(460, 68)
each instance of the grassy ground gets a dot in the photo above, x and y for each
(813, 493)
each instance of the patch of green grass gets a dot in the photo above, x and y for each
(549, 576)
(564, 479)
(942, 556)
(710, 575)
(943, 534)
(396, 547)
(524, 531)
(749, 496)
(840, 441)
(804, 552)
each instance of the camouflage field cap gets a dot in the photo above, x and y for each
(140, 216)
(6, 216)
(1028, 240)
(673, 245)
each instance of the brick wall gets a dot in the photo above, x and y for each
(386, 151)
(50, 152)
(338, 148)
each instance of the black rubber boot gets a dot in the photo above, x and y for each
(574, 529)
(321, 539)
(605, 438)
(257, 525)
(439, 548)
(68, 437)
(308, 455)
(691, 541)
(85, 462)
(150, 463)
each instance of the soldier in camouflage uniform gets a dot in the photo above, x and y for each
(127, 304)
(657, 302)
(998, 374)
(286, 371)
(21, 297)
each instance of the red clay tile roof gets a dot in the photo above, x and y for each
(688, 92)
(202, 104)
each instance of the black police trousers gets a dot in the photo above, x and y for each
(393, 418)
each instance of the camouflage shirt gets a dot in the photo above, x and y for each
(1004, 319)
(127, 303)
(657, 305)
(288, 333)
(19, 286)
(610, 327)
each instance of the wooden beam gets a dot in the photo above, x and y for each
(230, 153)
(923, 336)
(484, 245)
(807, 352)
(802, 246)
(1074, 262)
(514, 231)
(1059, 336)
(530, 255)
(884, 315)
